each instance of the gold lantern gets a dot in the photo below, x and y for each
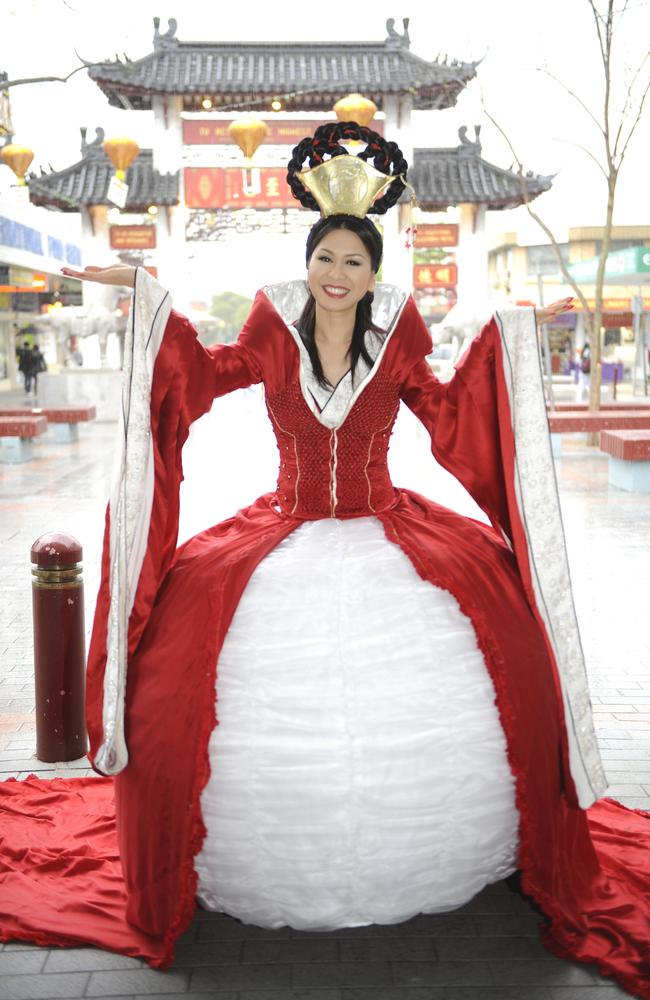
(18, 158)
(121, 152)
(355, 108)
(248, 134)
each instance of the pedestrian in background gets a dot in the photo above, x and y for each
(584, 381)
(36, 365)
(24, 355)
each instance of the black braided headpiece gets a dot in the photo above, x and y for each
(385, 156)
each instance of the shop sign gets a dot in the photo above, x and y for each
(234, 187)
(20, 237)
(620, 304)
(133, 237)
(21, 279)
(435, 275)
(436, 235)
(619, 264)
(289, 131)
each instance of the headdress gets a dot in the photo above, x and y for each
(347, 184)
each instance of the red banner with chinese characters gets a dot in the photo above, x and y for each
(435, 275)
(438, 235)
(132, 237)
(206, 131)
(237, 187)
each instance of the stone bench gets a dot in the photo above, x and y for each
(66, 419)
(629, 459)
(615, 405)
(17, 435)
(587, 422)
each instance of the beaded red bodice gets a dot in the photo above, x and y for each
(335, 472)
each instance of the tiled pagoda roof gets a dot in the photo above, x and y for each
(460, 175)
(86, 182)
(441, 178)
(313, 74)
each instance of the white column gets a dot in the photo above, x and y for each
(99, 300)
(472, 258)
(398, 260)
(8, 336)
(96, 249)
(171, 252)
(167, 133)
(171, 248)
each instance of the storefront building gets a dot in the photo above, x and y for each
(526, 273)
(34, 245)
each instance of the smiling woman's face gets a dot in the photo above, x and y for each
(340, 271)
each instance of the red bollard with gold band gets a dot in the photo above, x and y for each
(59, 647)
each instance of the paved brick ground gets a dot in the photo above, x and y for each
(487, 949)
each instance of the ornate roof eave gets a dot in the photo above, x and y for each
(444, 178)
(309, 75)
(86, 182)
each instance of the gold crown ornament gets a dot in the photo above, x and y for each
(345, 185)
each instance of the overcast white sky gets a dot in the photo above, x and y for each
(513, 38)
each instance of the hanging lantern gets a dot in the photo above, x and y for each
(248, 134)
(18, 158)
(121, 152)
(355, 108)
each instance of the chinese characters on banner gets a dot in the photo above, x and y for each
(237, 187)
(439, 274)
(437, 235)
(132, 237)
(435, 275)
(206, 131)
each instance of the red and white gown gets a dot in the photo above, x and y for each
(402, 708)
(359, 771)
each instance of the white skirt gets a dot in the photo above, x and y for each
(359, 769)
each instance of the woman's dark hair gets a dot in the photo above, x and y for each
(388, 159)
(372, 241)
(326, 141)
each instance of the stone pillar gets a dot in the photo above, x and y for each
(99, 300)
(472, 258)
(96, 250)
(167, 133)
(171, 253)
(8, 335)
(398, 260)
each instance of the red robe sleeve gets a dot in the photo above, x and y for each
(170, 380)
(462, 418)
(489, 429)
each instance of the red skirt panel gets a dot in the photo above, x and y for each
(588, 871)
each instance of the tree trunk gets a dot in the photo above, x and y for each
(596, 341)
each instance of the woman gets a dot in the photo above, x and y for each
(356, 635)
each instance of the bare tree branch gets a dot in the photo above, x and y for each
(5, 85)
(597, 22)
(575, 96)
(606, 25)
(636, 121)
(537, 218)
(584, 149)
(627, 102)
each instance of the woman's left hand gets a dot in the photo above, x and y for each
(545, 314)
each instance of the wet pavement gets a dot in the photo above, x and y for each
(489, 947)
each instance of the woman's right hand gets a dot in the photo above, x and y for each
(116, 274)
